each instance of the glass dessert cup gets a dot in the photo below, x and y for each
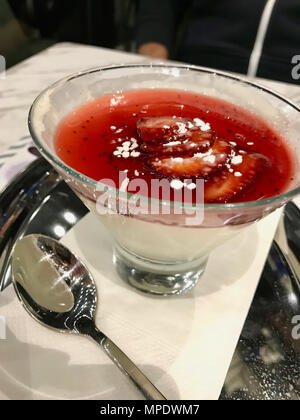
(158, 251)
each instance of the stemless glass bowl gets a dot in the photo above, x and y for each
(163, 253)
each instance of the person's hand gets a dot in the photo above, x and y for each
(154, 50)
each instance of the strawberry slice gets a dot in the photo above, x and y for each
(197, 143)
(199, 165)
(227, 184)
(169, 135)
(162, 129)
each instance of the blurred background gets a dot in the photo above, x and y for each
(29, 26)
(257, 37)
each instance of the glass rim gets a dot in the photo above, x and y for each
(48, 155)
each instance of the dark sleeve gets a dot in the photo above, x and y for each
(156, 21)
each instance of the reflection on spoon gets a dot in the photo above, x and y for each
(40, 278)
(59, 292)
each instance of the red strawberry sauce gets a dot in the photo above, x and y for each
(88, 141)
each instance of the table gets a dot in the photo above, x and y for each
(24, 82)
(27, 79)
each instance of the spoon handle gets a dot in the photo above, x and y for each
(149, 391)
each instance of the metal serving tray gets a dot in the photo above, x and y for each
(266, 362)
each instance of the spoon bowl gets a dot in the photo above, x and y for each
(58, 291)
(53, 285)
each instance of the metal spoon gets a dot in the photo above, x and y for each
(58, 291)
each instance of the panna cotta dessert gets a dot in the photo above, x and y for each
(171, 167)
(179, 137)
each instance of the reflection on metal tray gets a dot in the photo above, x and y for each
(36, 201)
(266, 363)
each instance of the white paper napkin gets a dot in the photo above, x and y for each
(184, 344)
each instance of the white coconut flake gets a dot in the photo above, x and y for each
(126, 145)
(250, 143)
(113, 127)
(181, 128)
(166, 127)
(176, 184)
(202, 155)
(178, 159)
(237, 159)
(205, 127)
(135, 154)
(127, 149)
(238, 174)
(116, 100)
(133, 146)
(233, 143)
(201, 124)
(119, 130)
(136, 173)
(198, 122)
(172, 143)
(134, 143)
(210, 159)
